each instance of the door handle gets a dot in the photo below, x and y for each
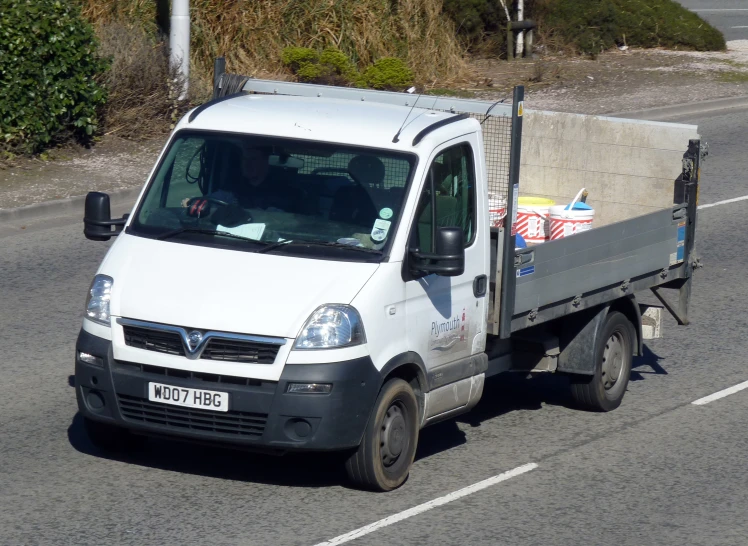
(480, 283)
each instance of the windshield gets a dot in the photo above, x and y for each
(258, 193)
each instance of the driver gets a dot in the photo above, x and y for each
(250, 188)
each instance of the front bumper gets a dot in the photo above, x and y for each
(262, 415)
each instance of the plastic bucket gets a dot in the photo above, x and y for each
(569, 219)
(532, 219)
(496, 211)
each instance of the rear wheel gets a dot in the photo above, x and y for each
(604, 390)
(110, 438)
(383, 459)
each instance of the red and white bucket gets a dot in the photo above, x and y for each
(532, 219)
(496, 211)
(570, 219)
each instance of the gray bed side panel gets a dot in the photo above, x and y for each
(597, 258)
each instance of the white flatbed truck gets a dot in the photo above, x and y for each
(312, 268)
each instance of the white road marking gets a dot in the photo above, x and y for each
(721, 394)
(725, 202)
(739, 27)
(726, 9)
(410, 512)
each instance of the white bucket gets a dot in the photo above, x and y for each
(532, 219)
(496, 211)
(566, 220)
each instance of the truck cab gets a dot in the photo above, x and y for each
(292, 268)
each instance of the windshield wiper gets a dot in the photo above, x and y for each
(284, 242)
(271, 246)
(174, 232)
(336, 245)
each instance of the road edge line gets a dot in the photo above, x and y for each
(725, 202)
(721, 394)
(426, 506)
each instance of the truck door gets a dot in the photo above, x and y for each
(446, 316)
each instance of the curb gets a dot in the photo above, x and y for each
(701, 107)
(63, 207)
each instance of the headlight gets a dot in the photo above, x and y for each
(97, 304)
(332, 326)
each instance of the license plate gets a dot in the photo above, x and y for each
(188, 398)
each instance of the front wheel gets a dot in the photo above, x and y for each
(383, 459)
(604, 390)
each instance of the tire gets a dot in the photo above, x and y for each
(604, 390)
(110, 438)
(383, 459)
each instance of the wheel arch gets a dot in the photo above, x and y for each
(409, 367)
(630, 309)
(579, 332)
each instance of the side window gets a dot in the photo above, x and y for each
(450, 190)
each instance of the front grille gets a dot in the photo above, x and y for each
(235, 423)
(268, 386)
(154, 340)
(216, 348)
(240, 351)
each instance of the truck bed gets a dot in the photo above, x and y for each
(593, 267)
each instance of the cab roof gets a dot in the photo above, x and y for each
(322, 119)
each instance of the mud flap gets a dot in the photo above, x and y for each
(577, 341)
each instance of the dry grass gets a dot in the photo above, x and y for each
(252, 34)
(140, 83)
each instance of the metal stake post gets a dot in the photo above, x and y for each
(508, 272)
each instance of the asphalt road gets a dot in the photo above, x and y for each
(658, 470)
(729, 16)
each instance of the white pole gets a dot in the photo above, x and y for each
(521, 33)
(179, 42)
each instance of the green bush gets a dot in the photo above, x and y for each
(388, 73)
(295, 57)
(333, 67)
(595, 25)
(337, 61)
(475, 20)
(48, 69)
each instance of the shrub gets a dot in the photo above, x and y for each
(477, 20)
(595, 25)
(296, 57)
(48, 65)
(388, 73)
(331, 67)
(338, 62)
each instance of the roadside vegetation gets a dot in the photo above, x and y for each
(48, 73)
(593, 26)
(587, 26)
(82, 68)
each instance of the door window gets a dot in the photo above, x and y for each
(448, 197)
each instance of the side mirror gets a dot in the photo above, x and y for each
(97, 221)
(449, 258)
